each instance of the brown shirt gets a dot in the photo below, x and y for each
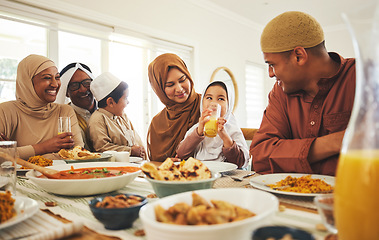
(110, 132)
(292, 122)
(29, 129)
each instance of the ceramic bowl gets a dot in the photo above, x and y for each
(263, 204)
(167, 188)
(83, 187)
(278, 232)
(116, 218)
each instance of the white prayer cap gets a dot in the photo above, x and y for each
(103, 85)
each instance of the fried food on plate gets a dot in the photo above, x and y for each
(78, 153)
(189, 170)
(201, 214)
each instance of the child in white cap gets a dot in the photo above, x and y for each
(109, 127)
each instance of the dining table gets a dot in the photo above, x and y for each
(73, 214)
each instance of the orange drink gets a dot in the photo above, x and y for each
(210, 128)
(356, 195)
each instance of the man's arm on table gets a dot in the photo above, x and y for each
(325, 146)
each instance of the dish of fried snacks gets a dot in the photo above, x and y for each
(78, 153)
(201, 212)
(190, 170)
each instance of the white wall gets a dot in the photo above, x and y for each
(219, 38)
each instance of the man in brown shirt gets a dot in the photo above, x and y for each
(309, 106)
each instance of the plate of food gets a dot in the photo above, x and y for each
(220, 166)
(296, 184)
(40, 161)
(84, 179)
(80, 154)
(171, 178)
(23, 209)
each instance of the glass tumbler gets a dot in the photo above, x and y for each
(8, 165)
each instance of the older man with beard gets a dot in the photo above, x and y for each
(76, 79)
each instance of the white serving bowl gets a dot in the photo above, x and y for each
(263, 204)
(84, 187)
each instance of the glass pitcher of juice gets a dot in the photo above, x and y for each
(357, 180)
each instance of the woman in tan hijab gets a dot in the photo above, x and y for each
(32, 119)
(171, 81)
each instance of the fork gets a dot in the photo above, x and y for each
(240, 179)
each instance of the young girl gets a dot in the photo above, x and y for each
(109, 127)
(229, 145)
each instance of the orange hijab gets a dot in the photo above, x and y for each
(167, 128)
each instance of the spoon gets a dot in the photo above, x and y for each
(240, 179)
(50, 173)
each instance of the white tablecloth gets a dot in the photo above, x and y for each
(76, 209)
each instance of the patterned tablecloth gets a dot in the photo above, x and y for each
(76, 208)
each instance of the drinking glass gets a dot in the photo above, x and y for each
(8, 176)
(325, 207)
(210, 127)
(64, 125)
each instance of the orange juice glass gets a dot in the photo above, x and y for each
(357, 195)
(210, 127)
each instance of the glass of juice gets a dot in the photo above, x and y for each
(64, 125)
(210, 127)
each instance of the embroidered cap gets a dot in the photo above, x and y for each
(289, 30)
(103, 85)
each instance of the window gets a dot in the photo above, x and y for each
(17, 40)
(99, 47)
(127, 63)
(78, 48)
(255, 97)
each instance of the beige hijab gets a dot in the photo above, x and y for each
(167, 129)
(27, 98)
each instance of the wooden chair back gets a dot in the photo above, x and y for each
(249, 133)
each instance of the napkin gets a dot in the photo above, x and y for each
(41, 226)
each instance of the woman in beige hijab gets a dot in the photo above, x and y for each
(32, 119)
(172, 82)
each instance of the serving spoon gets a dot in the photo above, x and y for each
(50, 173)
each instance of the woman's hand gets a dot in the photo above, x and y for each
(3, 137)
(204, 117)
(138, 151)
(61, 141)
(228, 142)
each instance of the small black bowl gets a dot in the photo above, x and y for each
(116, 218)
(278, 232)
